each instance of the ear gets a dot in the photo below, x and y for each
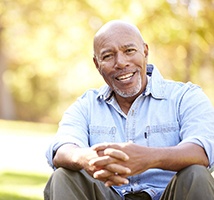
(146, 50)
(96, 63)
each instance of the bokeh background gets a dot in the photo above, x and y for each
(46, 63)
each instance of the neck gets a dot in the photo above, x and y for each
(125, 103)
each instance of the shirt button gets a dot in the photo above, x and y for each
(123, 191)
(132, 112)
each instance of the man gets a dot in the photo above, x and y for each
(138, 137)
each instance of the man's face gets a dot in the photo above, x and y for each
(121, 60)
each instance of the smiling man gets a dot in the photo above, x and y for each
(138, 137)
(121, 59)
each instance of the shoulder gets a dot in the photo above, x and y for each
(181, 86)
(162, 88)
(95, 94)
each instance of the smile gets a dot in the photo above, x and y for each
(125, 77)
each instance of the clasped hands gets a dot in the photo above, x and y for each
(111, 164)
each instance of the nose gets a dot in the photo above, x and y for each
(120, 60)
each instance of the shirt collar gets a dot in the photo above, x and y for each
(105, 93)
(155, 86)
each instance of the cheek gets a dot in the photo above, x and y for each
(140, 60)
(102, 71)
(106, 74)
(141, 66)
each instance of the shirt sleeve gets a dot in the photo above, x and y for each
(196, 116)
(73, 129)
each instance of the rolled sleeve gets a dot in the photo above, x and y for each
(205, 143)
(197, 121)
(57, 143)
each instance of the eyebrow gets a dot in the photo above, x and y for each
(129, 45)
(105, 51)
(123, 47)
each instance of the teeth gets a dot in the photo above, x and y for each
(126, 76)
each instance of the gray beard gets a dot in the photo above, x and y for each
(131, 92)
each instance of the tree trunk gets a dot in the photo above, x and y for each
(7, 110)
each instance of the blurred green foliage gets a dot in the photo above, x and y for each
(26, 128)
(46, 48)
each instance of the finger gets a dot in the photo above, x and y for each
(103, 146)
(101, 161)
(116, 180)
(111, 170)
(116, 154)
(102, 174)
(117, 168)
(100, 153)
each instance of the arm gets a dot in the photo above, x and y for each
(64, 159)
(181, 156)
(75, 158)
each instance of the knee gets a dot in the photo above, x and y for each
(194, 170)
(194, 174)
(60, 175)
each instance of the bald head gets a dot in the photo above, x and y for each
(116, 27)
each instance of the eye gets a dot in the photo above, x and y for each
(107, 57)
(130, 51)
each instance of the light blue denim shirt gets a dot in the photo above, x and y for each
(168, 113)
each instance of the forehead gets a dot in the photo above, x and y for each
(116, 39)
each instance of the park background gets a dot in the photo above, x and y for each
(46, 63)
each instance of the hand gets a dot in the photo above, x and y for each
(83, 156)
(142, 158)
(72, 157)
(112, 172)
(139, 160)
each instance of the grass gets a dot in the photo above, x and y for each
(29, 128)
(22, 186)
(16, 184)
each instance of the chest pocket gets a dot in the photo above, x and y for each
(99, 134)
(163, 135)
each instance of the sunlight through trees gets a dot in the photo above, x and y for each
(46, 48)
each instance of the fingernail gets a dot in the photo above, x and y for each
(126, 158)
(126, 182)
